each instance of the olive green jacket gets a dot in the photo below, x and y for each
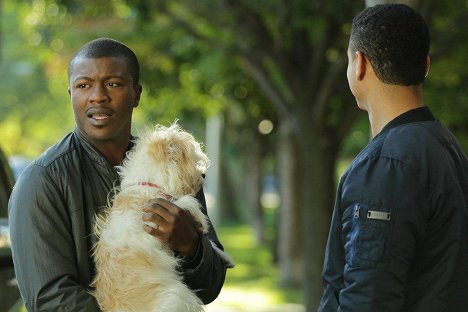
(51, 214)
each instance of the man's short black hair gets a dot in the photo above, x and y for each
(395, 39)
(107, 47)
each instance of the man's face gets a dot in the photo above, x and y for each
(351, 74)
(103, 97)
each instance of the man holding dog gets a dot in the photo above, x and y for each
(54, 203)
(399, 234)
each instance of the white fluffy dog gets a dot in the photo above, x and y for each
(135, 271)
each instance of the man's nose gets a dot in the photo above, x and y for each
(99, 94)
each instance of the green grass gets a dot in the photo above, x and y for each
(254, 277)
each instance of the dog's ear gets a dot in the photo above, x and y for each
(187, 165)
(158, 149)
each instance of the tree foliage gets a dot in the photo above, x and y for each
(180, 80)
(251, 60)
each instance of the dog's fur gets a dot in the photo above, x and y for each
(136, 272)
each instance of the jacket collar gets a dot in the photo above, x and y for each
(93, 152)
(414, 115)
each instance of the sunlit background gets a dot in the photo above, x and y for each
(262, 83)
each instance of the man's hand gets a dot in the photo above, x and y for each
(175, 227)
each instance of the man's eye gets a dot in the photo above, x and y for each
(112, 84)
(82, 86)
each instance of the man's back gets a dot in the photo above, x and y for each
(438, 274)
(397, 233)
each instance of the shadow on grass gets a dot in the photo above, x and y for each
(254, 274)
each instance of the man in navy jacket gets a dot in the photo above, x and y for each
(398, 238)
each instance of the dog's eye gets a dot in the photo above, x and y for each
(175, 152)
(173, 149)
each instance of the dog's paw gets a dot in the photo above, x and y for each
(202, 227)
(201, 221)
(192, 205)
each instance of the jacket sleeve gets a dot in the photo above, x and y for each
(43, 247)
(381, 223)
(333, 265)
(206, 272)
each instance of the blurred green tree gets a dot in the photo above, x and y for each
(252, 60)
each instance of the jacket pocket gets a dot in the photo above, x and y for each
(366, 233)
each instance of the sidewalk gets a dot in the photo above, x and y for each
(239, 300)
(274, 308)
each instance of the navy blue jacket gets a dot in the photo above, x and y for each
(399, 234)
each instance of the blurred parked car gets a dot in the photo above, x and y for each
(17, 164)
(9, 293)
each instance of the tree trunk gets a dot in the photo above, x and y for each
(230, 197)
(253, 189)
(214, 126)
(317, 162)
(289, 238)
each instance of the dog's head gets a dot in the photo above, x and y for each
(168, 157)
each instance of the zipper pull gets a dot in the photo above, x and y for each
(357, 208)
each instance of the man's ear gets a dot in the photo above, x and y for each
(138, 90)
(428, 65)
(361, 63)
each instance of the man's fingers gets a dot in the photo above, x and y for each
(155, 231)
(160, 209)
(167, 205)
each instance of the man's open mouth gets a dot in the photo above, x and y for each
(98, 116)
